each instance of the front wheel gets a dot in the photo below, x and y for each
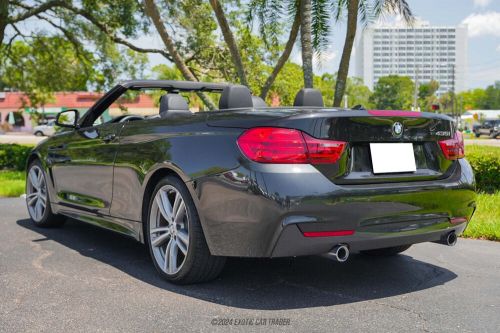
(388, 251)
(175, 238)
(37, 198)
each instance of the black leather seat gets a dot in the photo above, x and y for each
(173, 105)
(235, 97)
(309, 97)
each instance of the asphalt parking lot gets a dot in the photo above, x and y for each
(82, 279)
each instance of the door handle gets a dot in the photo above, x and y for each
(109, 137)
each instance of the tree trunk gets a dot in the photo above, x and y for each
(305, 39)
(154, 14)
(284, 56)
(4, 15)
(230, 41)
(352, 24)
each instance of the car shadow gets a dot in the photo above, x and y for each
(264, 284)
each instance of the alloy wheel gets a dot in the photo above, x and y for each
(36, 193)
(169, 229)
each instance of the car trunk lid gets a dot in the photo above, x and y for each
(360, 128)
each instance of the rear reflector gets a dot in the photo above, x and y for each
(288, 146)
(328, 233)
(457, 220)
(454, 148)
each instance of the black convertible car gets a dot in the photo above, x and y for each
(253, 181)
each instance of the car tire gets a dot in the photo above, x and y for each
(37, 198)
(173, 230)
(388, 251)
(38, 133)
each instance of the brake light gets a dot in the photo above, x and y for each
(288, 146)
(454, 148)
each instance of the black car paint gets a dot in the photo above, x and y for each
(101, 175)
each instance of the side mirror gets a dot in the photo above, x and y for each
(68, 118)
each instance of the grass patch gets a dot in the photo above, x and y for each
(12, 183)
(485, 223)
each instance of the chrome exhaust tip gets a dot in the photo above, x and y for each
(449, 239)
(339, 252)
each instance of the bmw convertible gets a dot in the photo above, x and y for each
(248, 180)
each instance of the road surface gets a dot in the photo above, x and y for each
(79, 278)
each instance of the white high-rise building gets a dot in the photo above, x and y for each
(421, 52)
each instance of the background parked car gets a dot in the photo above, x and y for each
(45, 129)
(489, 127)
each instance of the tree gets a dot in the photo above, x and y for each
(230, 40)
(154, 14)
(45, 65)
(426, 95)
(306, 42)
(284, 56)
(491, 99)
(446, 102)
(352, 21)
(393, 92)
(368, 12)
(357, 93)
(472, 99)
(271, 13)
(112, 23)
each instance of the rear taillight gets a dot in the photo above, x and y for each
(288, 146)
(454, 148)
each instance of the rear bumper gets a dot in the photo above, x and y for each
(263, 210)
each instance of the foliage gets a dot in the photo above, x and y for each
(485, 224)
(481, 99)
(13, 156)
(45, 65)
(492, 97)
(357, 93)
(393, 92)
(12, 183)
(427, 95)
(472, 99)
(485, 161)
(72, 54)
(287, 84)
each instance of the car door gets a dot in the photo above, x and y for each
(82, 166)
(485, 128)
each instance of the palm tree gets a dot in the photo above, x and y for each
(306, 42)
(230, 40)
(362, 7)
(311, 18)
(294, 31)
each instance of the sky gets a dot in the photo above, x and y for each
(482, 18)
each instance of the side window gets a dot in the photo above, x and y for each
(131, 105)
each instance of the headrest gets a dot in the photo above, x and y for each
(235, 96)
(258, 102)
(308, 97)
(173, 105)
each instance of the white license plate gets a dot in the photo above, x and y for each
(392, 157)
